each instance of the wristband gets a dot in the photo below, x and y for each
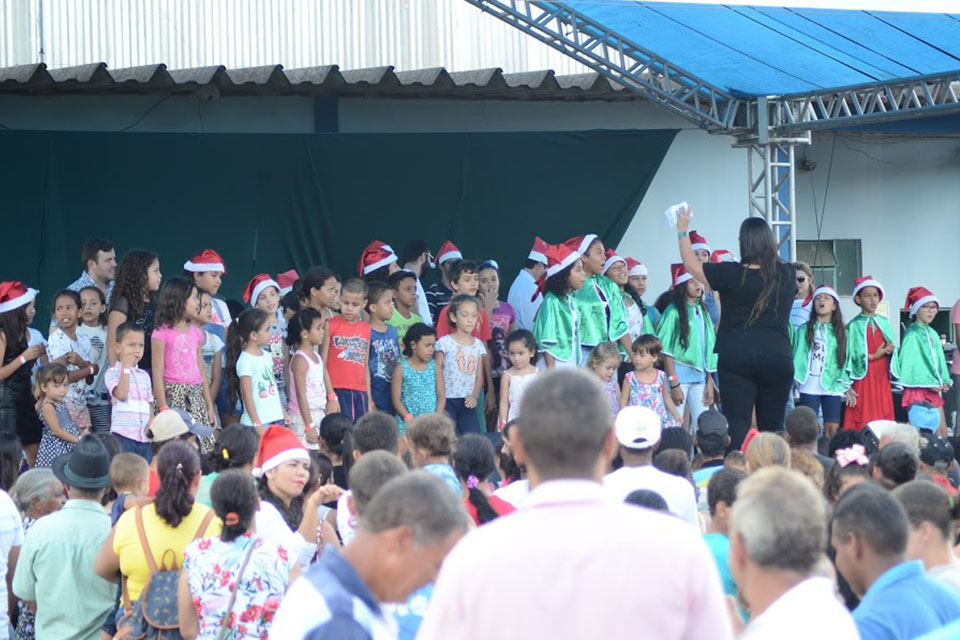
(124, 372)
(674, 378)
(258, 424)
(163, 408)
(308, 426)
(682, 234)
(331, 397)
(674, 386)
(92, 373)
(408, 417)
(22, 359)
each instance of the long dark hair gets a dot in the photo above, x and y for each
(336, 431)
(679, 300)
(314, 278)
(13, 326)
(237, 335)
(292, 514)
(301, 321)
(178, 463)
(172, 301)
(559, 283)
(635, 296)
(233, 494)
(236, 447)
(839, 332)
(473, 462)
(757, 246)
(131, 282)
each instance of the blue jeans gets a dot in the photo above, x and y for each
(353, 404)
(467, 420)
(132, 446)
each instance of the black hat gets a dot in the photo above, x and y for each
(86, 467)
(937, 452)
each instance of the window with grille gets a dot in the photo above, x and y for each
(836, 263)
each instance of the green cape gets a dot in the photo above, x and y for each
(857, 356)
(555, 328)
(592, 313)
(920, 363)
(668, 331)
(834, 377)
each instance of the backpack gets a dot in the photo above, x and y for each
(154, 616)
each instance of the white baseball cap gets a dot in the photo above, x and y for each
(638, 427)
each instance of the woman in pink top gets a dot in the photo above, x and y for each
(176, 347)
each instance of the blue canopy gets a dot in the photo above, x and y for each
(753, 51)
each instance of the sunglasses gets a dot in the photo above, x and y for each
(801, 279)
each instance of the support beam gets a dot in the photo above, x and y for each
(620, 60)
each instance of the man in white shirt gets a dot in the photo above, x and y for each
(416, 255)
(638, 432)
(11, 539)
(521, 294)
(777, 536)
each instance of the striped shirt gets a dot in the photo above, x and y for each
(11, 535)
(130, 417)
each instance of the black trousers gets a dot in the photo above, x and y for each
(749, 382)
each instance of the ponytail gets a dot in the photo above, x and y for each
(336, 431)
(485, 513)
(473, 463)
(178, 463)
(234, 500)
(237, 335)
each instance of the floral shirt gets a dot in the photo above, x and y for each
(211, 566)
(61, 344)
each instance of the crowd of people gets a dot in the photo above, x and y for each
(383, 457)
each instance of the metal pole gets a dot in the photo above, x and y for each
(43, 54)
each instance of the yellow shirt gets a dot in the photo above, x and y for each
(162, 539)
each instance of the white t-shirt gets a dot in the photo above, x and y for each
(346, 521)
(35, 337)
(271, 526)
(807, 610)
(947, 574)
(263, 387)
(514, 493)
(96, 393)
(11, 535)
(460, 365)
(678, 492)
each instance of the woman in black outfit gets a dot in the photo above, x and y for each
(755, 359)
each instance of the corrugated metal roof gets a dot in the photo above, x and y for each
(375, 82)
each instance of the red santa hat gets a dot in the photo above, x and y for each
(277, 446)
(286, 280)
(538, 252)
(376, 256)
(722, 255)
(612, 259)
(636, 268)
(15, 294)
(917, 297)
(206, 260)
(864, 282)
(255, 287)
(698, 242)
(559, 257)
(448, 252)
(830, 291)
(679, 274)
(580, 244)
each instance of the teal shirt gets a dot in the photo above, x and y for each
(55, 570)
(719, 546)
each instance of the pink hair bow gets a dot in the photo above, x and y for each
(852, 454)
(473, 482)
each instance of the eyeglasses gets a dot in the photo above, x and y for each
(801, 279)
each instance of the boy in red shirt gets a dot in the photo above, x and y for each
(346, 348)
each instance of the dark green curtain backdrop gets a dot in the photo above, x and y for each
(271, 202)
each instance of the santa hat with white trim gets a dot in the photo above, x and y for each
(286, 280)
(722, 255)
(14, 294)
(277, 446)
(864, 282)
(612, 259)
(917, 297)
(256, 286)
(376, 256)
(538, 252)
(636, 268)
(448, 252)
(580, 244)
(698, 242)
(830, 291)
(559, 257)
(679, 274)
(206, 260)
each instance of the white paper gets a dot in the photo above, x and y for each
(674, 211)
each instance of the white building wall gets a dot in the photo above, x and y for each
(409, 34)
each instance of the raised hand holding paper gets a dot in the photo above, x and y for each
(672, 213)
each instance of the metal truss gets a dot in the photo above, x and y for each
(618, 59)
(866, 104)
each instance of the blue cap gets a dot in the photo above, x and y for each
(923, 417)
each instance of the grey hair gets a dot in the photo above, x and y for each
(36, 484)
(564, 421)
(905, 433)
(782, 519)
(419, 500)
(371, 472)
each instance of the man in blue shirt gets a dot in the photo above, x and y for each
(898, 600)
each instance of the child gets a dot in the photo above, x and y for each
(459, 357)
(320, 289)
(263, 293)
(404, 316)
(869, 350)
(522, 351)
(206, 271)
(638, 320)
(130, 477)
(346, 352)
(820, 359)
(416, 388)
(384, 346)
(556, 327)
(646, 386)
(138, 280)
(688, 338)
(18, 415)
(920, 366)
(131, 393)
(601, 312)
(308, 394)
(93, 314)
(635, 288)
(250, 371)
(503, 317)
(176, 344)
(474, 463)
(432, 442)
(60, 434)
(72, 350)
(604, 361)
(440, 293)
(377, 263)
(34, 337)
(212, 345)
